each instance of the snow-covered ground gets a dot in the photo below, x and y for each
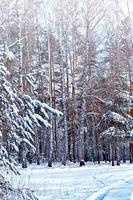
(92, 182)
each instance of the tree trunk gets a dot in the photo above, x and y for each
(24, 154)
(94, 144)
(131, 152)
(124, 154)
(50, 156)
(113, 153)
(98, 154)
(65, 134)
(81, 137)
(37, 150)
(118, 153)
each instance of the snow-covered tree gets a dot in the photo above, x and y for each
(117, 123)
(20, 115)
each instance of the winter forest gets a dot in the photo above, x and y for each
(66, 87)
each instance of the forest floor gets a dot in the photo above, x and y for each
(92, 182)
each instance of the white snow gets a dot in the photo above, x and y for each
(92, 182)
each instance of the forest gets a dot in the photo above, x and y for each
(66, 82)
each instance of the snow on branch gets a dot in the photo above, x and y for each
(29, 143)
(114, 117)
(3, 71)
(30, 80)
(113, 132)
(52, 110)
(45, 122)
(9, 55)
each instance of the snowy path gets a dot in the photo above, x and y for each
(114, 191)
(92, 182)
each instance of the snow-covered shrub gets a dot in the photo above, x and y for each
(9, 193)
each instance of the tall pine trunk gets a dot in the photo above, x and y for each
(65, 134)
(50, 155)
